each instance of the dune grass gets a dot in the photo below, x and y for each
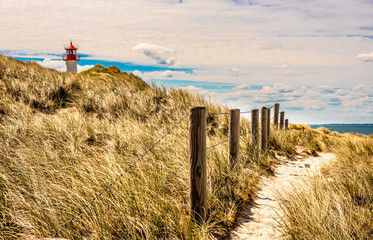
(65, 137)
(339, 203)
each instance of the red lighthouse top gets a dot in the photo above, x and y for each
(71, 53)
(71, 47)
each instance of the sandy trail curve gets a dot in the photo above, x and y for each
(259, 219)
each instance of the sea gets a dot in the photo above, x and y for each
(366, 129)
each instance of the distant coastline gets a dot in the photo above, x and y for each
(366, 129)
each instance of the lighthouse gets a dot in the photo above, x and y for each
(71, 58)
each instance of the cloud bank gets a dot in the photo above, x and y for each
(162, 55)
(166, 74)
(366, 57)
(237, 72)
(304, 104)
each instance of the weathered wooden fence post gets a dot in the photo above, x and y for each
(282, 119)
(286, 124)
(197, 163)
(264, 135)
(255, 127)
(276, 111)
(234, 136)
(268, 123)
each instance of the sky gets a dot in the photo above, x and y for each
(314, 57)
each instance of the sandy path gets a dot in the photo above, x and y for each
(259, 219)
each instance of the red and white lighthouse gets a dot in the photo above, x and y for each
(71, 58)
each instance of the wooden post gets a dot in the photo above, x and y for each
(282, 119)
(264, 135)
(275, 114)
(255, 127)
(234, 137)
(286, 124)
(268, 122)
(197, 163)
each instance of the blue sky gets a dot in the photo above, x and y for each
(314, 57)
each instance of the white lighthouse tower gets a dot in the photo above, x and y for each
(71, 58)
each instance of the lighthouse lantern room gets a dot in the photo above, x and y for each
(71, 58)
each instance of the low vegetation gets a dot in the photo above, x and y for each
(339, 203)
(66, 137)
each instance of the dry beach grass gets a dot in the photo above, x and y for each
(339, 203)
(65, 137)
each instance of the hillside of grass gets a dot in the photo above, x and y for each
(65, 137)
(339, 203)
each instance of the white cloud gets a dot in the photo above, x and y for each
(192, 88)
(82, 68)
(366, 57)
(60, 65)
(237, 72)
(198, 90)
(279, 66)
(167, 74)
(325, 89)
(278, 88)
(55, 64)
(316, 107)
(242, 87)
(198, 71)
(162, 55)
(358, 88)
(161, 74)
(294, 73)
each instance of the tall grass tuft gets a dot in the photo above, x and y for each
(338, 204)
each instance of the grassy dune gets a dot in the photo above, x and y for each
(65, 137)
(339, 203)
